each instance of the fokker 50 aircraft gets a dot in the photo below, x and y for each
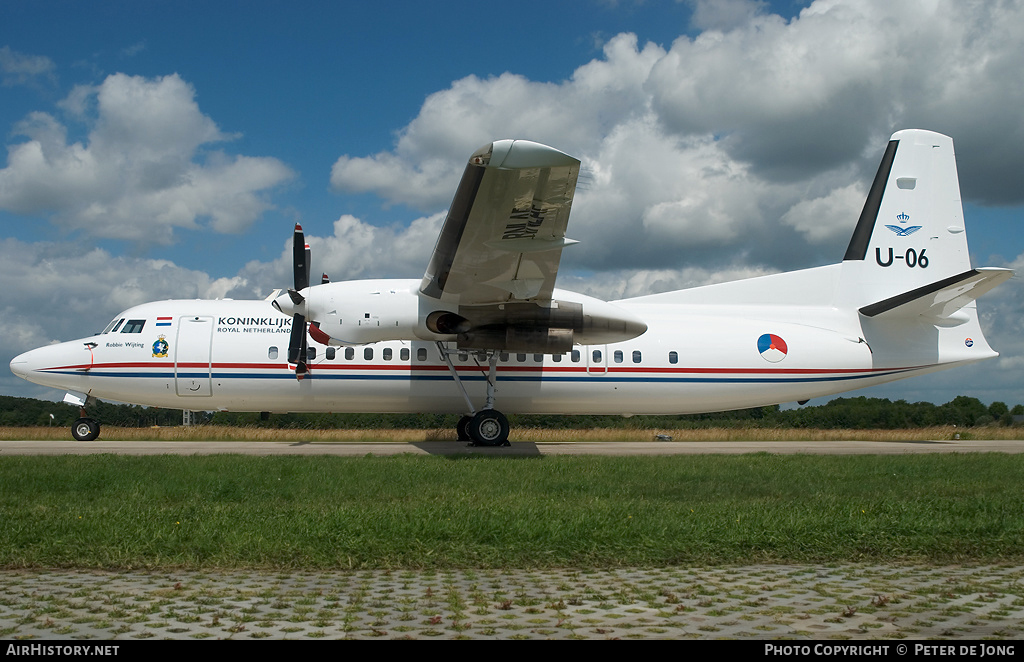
(486, 326)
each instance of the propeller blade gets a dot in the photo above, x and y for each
(300, 274)
(300, 259)
(307, 263)
(301, 368)
(296, 342)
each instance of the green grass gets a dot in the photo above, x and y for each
(476, 511)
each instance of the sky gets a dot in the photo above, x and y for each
(162, 149)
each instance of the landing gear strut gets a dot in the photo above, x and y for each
(483, 427)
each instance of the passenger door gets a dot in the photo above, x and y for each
(192, 369)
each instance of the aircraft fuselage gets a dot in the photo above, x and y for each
(232, 356)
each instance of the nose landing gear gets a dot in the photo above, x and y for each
(85, 429)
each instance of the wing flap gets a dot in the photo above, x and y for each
(503, 237)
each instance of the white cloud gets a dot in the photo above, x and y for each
(142, 172)
(725, 14)
(424, 168)
(355, 249)
(58, 291)
(793, 98)
(827, 217)
(757, 137)
(21, 69)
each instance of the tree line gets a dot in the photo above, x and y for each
(840, 413)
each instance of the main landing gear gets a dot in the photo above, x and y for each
(487, 426)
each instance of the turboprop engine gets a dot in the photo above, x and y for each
(368, 311)
(361, 312)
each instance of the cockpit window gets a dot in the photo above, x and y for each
(114, 325)
(133, 326)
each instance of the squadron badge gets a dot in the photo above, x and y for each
(160, 348)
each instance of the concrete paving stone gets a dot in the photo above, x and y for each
(746, 602)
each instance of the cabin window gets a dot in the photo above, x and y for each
(387, 353)
(331, 353)
(521, 358)
(350, 353)
(636, 356)
(404, 355)
(368, 353)
(421, 354)
(673, 357)
(575, 356)
(134, 326)
(539, 358)
(272, 353)
(463, 356)
(503, 357)
(557, 358)
(618, 356)
(310, 353)
(597, 356)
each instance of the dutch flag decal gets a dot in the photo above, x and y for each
(163, 321)
(772, 347)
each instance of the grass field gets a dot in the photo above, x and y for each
(407, 511)
(224, 433)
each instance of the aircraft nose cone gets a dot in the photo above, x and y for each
(20, 365)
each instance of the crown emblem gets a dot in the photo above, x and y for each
(903, 218)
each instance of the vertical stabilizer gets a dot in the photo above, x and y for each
(911, 231)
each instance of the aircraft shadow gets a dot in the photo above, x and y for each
(461, 448)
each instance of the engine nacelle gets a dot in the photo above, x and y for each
(361, 312)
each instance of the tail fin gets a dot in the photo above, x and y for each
(911, 232)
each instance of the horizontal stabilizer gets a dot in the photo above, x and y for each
(941, 299)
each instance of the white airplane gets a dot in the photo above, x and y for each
(486, 320)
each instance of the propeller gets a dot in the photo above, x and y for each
(300, 276)
(294, 303)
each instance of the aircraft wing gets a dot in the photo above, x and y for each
(505, 230)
